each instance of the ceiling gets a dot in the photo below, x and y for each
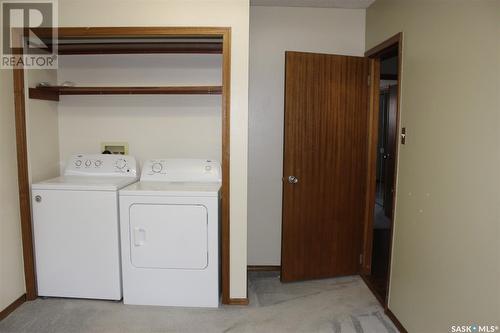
(314, 3)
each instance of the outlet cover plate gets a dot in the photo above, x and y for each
(120, 148)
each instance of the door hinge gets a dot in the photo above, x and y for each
(360, 259)
(369, 77)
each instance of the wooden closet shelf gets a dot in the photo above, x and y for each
(140, 48)
(53, 93)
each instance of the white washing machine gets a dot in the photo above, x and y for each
(170, 234)
(76, 227)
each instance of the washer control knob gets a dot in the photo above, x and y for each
(88, 163)
(157, 167)
(78, 163)
(98, 163)
(121, 163)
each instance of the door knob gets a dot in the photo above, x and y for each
(293, 180)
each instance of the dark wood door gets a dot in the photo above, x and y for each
(325, 165)
(390, 150)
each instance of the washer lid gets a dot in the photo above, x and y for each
(84, 183)
(175, 189)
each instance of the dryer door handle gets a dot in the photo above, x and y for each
(139, 236)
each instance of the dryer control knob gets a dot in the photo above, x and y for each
(157, 167)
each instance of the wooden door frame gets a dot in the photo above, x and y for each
(375, 54)
(22, 150)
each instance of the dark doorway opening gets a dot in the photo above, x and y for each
(384, 191)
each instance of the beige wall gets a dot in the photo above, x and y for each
(153, 125)
(446, 263)
(272, 31)
(232, 13)
(11, 258)
(43, 147)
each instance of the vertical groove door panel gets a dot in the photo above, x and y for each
(326, 121)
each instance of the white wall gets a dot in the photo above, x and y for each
(231, 13)
(41, 129)
(273, 30)
(11, 257)
(153, 125)
(445, 267)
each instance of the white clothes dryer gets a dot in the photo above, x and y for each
(170, 234)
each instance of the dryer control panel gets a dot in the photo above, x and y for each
(181, 170)
(101, 165)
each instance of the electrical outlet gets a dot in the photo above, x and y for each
(118, 148)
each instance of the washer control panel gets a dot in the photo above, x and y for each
(101, 165)
(181, 170)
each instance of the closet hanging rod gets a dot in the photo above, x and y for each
(53, 93)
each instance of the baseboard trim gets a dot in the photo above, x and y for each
(238, 301)
(370, 286)
(395, 321)
(388, 312)
(263, 268)
(10, 308)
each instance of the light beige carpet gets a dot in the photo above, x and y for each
(341, 305)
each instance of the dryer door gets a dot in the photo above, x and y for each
(169, 236)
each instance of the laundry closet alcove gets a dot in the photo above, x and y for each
(128, 44)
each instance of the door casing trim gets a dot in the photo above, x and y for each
(380, 51)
